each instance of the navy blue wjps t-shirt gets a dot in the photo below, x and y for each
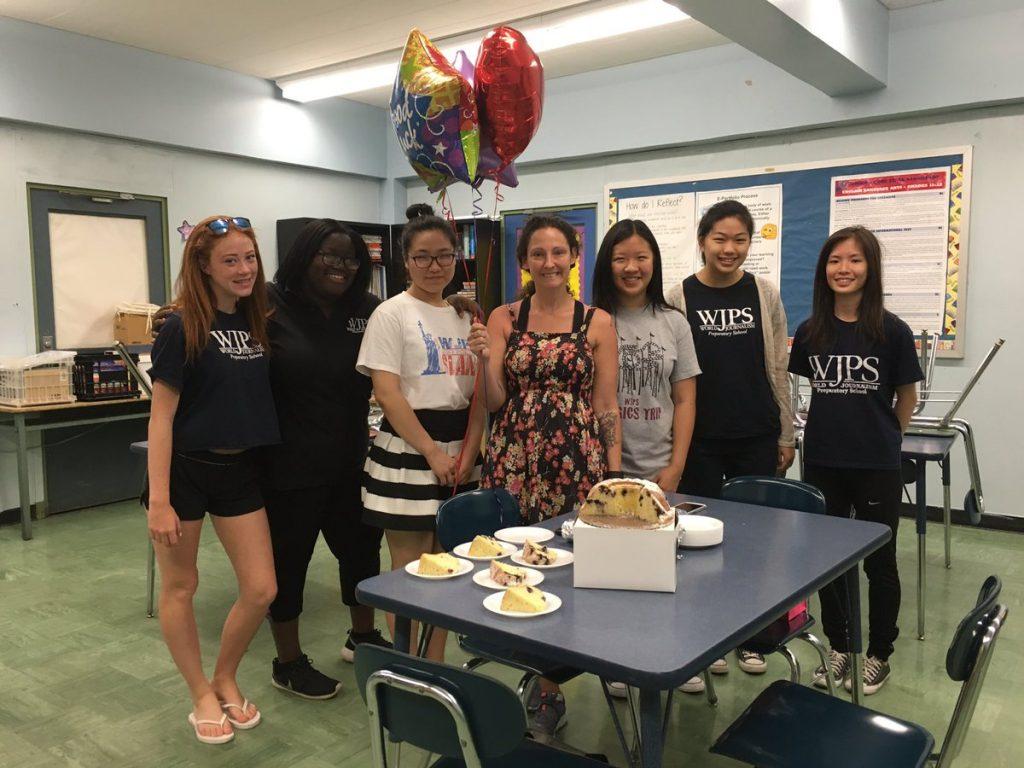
(734, 396)
(851, 422)
(225, 398)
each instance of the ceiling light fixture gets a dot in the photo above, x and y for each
(544, 33)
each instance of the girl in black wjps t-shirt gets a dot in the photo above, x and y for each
(212, 404)
(858, 357)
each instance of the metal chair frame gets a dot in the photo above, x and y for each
(963, 710)
(391, 679)
(145, 386)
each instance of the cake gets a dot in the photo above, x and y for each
(486, 546)
(506, 575)
(537, 554)
(441, 564)
(626, 503)
(523, 599)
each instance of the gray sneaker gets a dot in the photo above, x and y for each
(839, 664)
(549, 716)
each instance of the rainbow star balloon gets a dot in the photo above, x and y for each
(434, 113)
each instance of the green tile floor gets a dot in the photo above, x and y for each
(85, 679)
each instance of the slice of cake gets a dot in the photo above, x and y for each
(625, 499)
(506, 575)
(537, 554)
(441, 564)
(486, 546)
(523, 599)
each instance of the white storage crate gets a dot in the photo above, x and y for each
(42, 379)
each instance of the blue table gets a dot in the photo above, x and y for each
(920, 449)
(770, 560)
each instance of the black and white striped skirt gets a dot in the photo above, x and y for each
(400, 492)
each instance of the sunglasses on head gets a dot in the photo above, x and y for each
(221, 226)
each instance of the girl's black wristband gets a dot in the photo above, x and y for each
(613, 474)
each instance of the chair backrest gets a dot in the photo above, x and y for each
(443, 709)
(474, 513)
(779, 492)
(967, 660)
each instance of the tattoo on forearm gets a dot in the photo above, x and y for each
(607, 429)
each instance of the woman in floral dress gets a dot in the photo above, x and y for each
(551, 379)
(551, 368)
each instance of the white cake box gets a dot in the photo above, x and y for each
(624, 558)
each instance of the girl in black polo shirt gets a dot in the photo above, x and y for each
(314, 476)
(211, 405)
(857, 357)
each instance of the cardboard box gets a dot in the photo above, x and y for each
(624, 558)
(134, 325)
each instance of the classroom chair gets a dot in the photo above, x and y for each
(468, 719)
(782, 493)
(791, 725)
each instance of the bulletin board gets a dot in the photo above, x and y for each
(582, 218)
(917, 204)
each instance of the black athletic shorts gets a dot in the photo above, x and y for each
(223, 484)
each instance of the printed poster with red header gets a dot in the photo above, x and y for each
(909, 212)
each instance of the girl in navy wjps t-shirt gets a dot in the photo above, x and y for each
(858, 358)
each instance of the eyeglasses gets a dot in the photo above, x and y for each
(423, 262)
(221, 226)
(334, 260)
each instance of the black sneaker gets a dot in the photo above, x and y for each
(373, 637)
(549, 716)
(839, 664)
(874, 673)
(750, 662)
(299, 677)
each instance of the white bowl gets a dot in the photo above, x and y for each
(700, 531)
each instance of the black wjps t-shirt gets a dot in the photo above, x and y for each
(851, 422)
(322, 401)
(734, 396)
(225, 399)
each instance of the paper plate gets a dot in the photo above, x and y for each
(483, 578)
(414, 568)
(562, 557)
(463, 551)
(519, 534)
(493, 604)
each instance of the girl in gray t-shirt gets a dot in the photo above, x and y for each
(657, 362)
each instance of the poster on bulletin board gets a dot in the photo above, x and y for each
(917, 204)
(582, 218)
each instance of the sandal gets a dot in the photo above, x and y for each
(224, 738)
(244, 725)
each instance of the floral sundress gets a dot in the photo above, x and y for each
(544, 447)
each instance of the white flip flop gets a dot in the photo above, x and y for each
(244, 725)
(224, 738)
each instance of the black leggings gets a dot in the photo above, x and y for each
(710, 461)
(297, 517)
(873, 495)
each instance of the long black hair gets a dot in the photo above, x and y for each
(606, 295)
(723, 209)
(821, 327)
(535, 223)
(292, 271)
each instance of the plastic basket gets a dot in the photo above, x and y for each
(42, 379)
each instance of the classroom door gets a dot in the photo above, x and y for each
(90, 252)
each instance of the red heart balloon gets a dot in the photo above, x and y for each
(510, 92)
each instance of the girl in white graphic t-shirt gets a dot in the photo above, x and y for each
(416, 351)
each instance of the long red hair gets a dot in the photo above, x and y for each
(195, 299)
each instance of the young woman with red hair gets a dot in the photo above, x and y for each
(212, 404)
